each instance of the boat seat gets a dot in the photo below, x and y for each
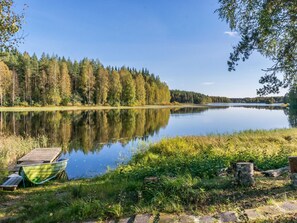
(11, 183)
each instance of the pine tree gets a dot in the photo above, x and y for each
(115, 89)
(65, 84)
(5, 82)
(34, 79)
(27, 69)
(87, 81)
(53, 92)
(128, 91)
(140, 90)
(102, 86)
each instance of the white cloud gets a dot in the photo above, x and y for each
(230, 33)
(208, 83)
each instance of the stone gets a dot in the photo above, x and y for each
(252, 214)
(293, 164)
(269, 211)
(168, 218)
(294, 179)
(244, 174)
(229, 216)
(288, 206)
(207, 219)
(188, 219)
(143, 218)
(125, 220)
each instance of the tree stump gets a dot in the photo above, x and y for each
(293, 169)
(244, 174)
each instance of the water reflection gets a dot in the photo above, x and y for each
(292, 116)
(87, 130)
(97, 140)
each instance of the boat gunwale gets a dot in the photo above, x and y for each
(38, 164)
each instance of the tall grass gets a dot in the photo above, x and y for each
(13, 147)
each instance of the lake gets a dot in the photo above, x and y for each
(95, 141)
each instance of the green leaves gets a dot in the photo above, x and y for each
(270, 28)
(10, 24)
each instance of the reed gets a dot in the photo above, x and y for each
(13, 147)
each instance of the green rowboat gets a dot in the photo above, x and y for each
(42, 172)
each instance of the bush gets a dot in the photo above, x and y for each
(24, 104)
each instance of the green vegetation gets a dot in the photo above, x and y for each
(11, 23)
(12, 147)
(268, 27)
(198, 98)
(30, 81)
(185, 171)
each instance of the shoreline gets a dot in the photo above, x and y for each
(84, 108)
(173, 172)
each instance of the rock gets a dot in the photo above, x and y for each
(269, 211)
(188, 219)
(125, 220)
(276, 172)
(143, 218)
(207, 219)
(229, 216)
(168, 218)
(288, 206)
(252, 214)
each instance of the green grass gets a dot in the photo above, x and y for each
(186, 168)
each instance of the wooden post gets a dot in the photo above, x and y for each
(293, 169)
(244, 174)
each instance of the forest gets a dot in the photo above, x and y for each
(27, 80)
(198, 98)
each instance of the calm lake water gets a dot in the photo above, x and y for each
(95, 141)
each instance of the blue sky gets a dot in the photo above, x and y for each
(182, 41)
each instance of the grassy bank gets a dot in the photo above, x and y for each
(186, 180)
(78, 108)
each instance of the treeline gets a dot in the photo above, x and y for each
(195, 98)
(51, 80)
(198, 98)
(267, 100)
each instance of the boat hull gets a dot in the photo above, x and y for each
(41, 173)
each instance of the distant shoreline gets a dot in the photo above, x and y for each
(94, 107)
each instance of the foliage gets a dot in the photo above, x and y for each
(56, 81)
(198, 98)
(10, 24)
(270, 28)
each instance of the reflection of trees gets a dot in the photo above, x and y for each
(292, 116)
(187, 110)
(91, 130)
(86, 130)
